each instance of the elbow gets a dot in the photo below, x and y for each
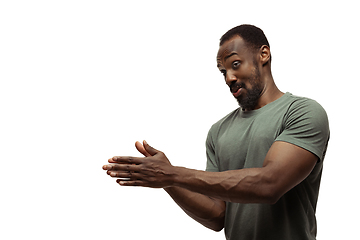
(217, 226)
(218, 229)
(261, 188)
(216, 223)
(270, 190)
(272, 196)
(272, 199)
(267, 193)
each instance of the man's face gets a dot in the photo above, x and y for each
(240, 68)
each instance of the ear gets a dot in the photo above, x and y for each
(265, 55)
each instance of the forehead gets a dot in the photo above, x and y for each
(234, 45)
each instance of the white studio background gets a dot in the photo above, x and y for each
(81, 81)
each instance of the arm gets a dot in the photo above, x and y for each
(285, 166)
(208, 211)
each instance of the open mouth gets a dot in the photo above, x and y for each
(236, 90)
(237, 93)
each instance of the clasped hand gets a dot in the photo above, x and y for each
(154, 170)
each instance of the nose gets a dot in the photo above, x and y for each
(230, 78)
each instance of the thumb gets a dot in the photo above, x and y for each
(141, 149)
(150, 149)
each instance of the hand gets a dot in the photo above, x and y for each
(154, 170)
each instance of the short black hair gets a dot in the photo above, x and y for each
(252, 35)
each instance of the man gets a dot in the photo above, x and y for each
(264, 159)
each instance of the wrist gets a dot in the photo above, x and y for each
(175, 176)
(180, 177)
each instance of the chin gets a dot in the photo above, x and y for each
(248, 103)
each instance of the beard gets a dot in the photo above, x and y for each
(250, 100)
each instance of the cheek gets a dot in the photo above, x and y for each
(246, 71)
(253, 81)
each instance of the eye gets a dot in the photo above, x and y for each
(236, 64)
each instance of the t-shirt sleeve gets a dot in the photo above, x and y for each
(306, 125)
(211, 163)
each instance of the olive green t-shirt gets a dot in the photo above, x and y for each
(242, 140)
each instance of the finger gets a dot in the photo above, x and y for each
(150, 149)
(128, 160)
(109, 172)
(107, 167)
(125, 167)
(141, 149)
(125, 175)
(126, 182)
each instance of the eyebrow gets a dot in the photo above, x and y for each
(226, 57)
(231, 54)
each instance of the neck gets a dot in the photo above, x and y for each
(270, 92)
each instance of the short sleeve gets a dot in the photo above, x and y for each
(306, 125)
(211, 164)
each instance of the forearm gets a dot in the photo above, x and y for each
(242, 186)
(205, 210)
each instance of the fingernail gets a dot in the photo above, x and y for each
(146, 142)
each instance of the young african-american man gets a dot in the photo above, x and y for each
(264, 159)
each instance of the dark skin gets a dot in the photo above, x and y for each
(202, 195)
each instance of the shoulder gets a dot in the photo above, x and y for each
(306, 125)
(306, 108)
(224, 120)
